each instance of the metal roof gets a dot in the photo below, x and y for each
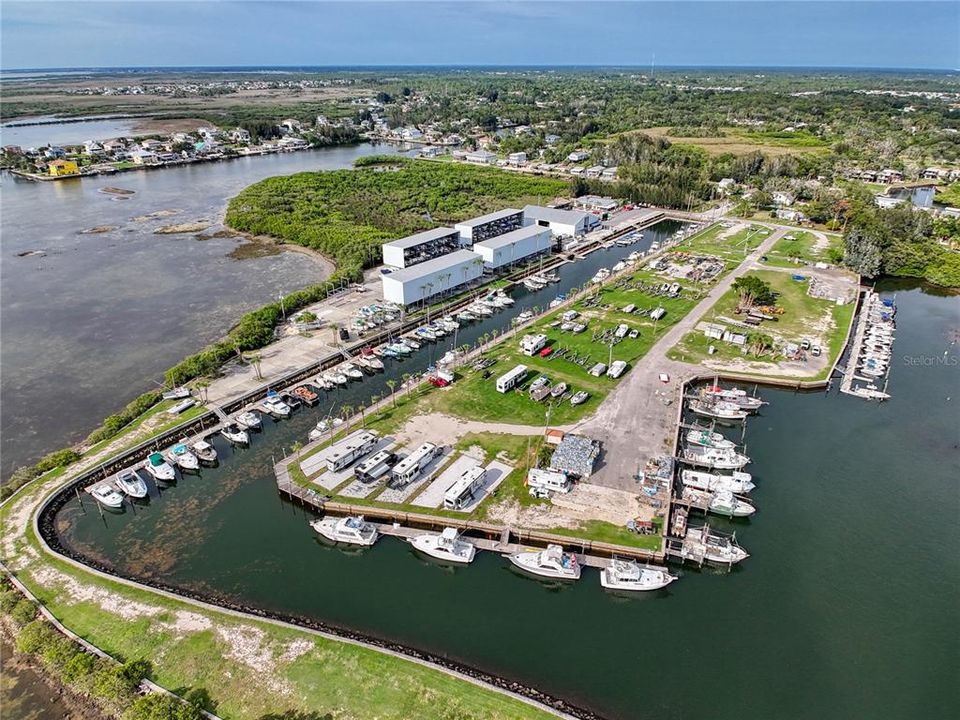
(490, 217)
(512, 237)
(431, 266)
(568, 217)
(422, 237)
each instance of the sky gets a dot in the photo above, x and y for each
(759, 33)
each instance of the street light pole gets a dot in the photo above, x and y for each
(283, 310)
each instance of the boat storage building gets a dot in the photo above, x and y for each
(431, 277)
(514, 246)
(488, 226)
(421, 247)
(563, 223)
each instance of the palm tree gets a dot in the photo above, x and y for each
(296, 447)
(391, 383)
(254, 359)
(346, 412)
(203, 385)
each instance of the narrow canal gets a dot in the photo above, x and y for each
(847, 606)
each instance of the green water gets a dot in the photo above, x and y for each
(847, 608)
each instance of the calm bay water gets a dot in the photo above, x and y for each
(847, 607)
(96, 321)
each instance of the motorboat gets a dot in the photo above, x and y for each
(619, 266)
(374, 363)
(321, 382)
(629, 575)
(249, 420)
(466, 316)
(579, 397)
(411, 343)
(721, 410)
(331, 379)
(235, 434)
(398, 348)
(107, 496)
(558, 389)
(552, 562)
(719, 458)
(524, 316)
(131, 483)
(305, 394)
(726, 503)
(181, 456)
(481, 309)
(352, 530)
(159, 468)
(352, 371)
(449, 324)
(446, 545)
(322, 427)
(533, 285)
(503, 298)
(275, 406)
(540, 382)
(425, 333)
(205, 452)
(707, 438)
(737, 482)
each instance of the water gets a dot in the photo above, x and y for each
(847, 607)
(96, 321)
(49, 132)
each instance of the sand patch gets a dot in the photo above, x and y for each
(247, 645)
(189, 227)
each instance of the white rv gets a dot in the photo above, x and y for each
(510, 380)
(348, 451)
(462, 491)
(548, 480)
(413, 464)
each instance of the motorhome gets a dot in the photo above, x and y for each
(375, 466)
(510, 380)
(348, 451)
(548, 480)
(462, 491)
(411, 466)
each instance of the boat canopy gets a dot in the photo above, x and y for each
(179, 449)
(156, 459)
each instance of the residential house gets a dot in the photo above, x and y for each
(782, 197)
(609, 173)
(92, 147)
(517, 158)
(889, 176)
(411, 133)
(291, 125)
(578, 156)
(62, 168)
(55, 153)
(144, 157)
(240, 135)
(152, 145)
(481, 156)
(322, 121)
(551, 139)
(726, 185)
(790, 215)
(594, 171)
(114, 146)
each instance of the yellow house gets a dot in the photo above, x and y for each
(59, 168)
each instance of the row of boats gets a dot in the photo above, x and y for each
(725, 404)
(604, 273)
(552, 562)
(876, 346)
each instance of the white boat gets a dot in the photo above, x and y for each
(131, 483)
(719, 458)
(352, 530)
(716, 548)
(721, 410)
(533, 285)
(249, 420)
(504, 299)
(466, 316)
(552, 562)
(321, 382)
(558, 389)
(628, 575)
(481, 309)
(619, 266)
(374, 363)
(106, 495)
(426, 333)
(737, 482)
(181, 456)
(205, 452)
(411, 343)
(579, 397)
(398, 348)
(524, 316)
(275, 406)
(235, 434)
(352, 371)
(445, 546)
(706, 438)
(449, 323)
(726, 503)
(160, 468)
(735, 396)
(332, 379)
(321, 429)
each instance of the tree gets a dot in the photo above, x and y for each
(759, 343)
(392, 384)
(862, 252)
(753, 290)
(162, 707)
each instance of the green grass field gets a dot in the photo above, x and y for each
(798, 247)
(800, 320)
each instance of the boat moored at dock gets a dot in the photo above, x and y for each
(708, 438)
(738, 482)
(352, 530)
(552, 562)
(726, 503)
(107, 496)
(205, 452)
(159, 468)
(716, 458)
(630, 575)
(446, 545)
(249, 420)
(718, 410)
(235, 434)
(131, 483)
(180, 456)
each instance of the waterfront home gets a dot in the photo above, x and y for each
(782, 197)
(152, 145)
(481, 156)
(62, 168)
(889, 176)
(55, 153)
(517, 158)
(144, 157)
(291, 125)
(114, 146)
(411, 133)
(92, 147)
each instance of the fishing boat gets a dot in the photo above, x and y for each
(711, 457)
(716, 548)
(445, 546)
(524, 316)
(738, 482)
(449, 324)
(205, 452)
(235, 434)
(249, 420)
(176, 394)
(329, 379)
(558, 389)
(720, 410)
(733, 395)
(339, 378)
(411, 343)
(629, 575)
(321, 382)
(726, 503)
(374, 362)
(352, 371)
(466, 316)
(551, 563)
(706, 438)
(275, 406)
(181, 456)
(481, 309)
(425, 333)
(352, 530)
(131, 483)
(579, 397)
(159, 468)
(398, 348)
(504, 299)
(533, 285)
(107, 496)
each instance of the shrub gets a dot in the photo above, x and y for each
(161, 707)
(56, 459)
(60, 651)
(8, 600)
(35, 637)
(80, 666)
(23, 612)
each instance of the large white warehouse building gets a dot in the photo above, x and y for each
(421, 247)
(569, 223)
(514, 246)
(488, 226)
(432, 277)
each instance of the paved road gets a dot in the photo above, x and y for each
(634, 422)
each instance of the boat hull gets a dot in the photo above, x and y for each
(528, 566)
(608, 581)
(427, 544)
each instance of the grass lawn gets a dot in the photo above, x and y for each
(803, 314)
(738, 141)
(601, 531)
(474, 398)
(802, 248)
(733, 248)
